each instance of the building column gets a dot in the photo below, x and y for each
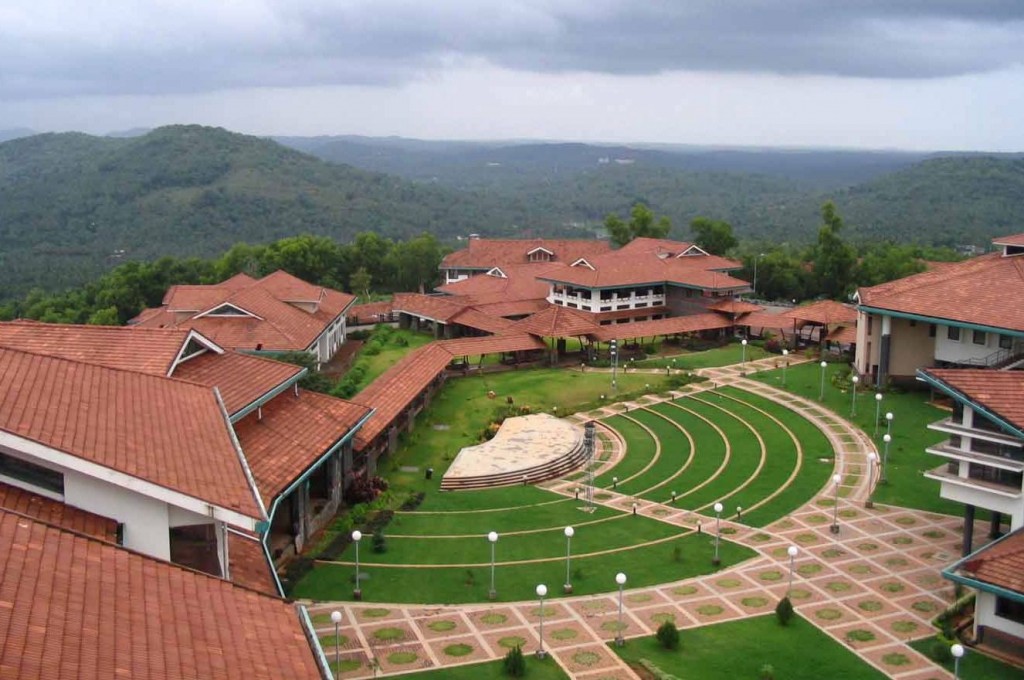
(996, 525)
(965, 550)
(884, 349)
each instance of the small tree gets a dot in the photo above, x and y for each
(784, 611)
(668, 635)
(515, 664)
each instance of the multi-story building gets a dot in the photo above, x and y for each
(963, 314)
(483, 255)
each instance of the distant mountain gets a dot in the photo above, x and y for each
(15, 133)
(72, 205)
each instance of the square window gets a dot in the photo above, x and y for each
(978, 338)
(931, 331)
(1005, 342)
(953, 333)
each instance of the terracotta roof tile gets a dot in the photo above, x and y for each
(165, 431)
(519, 283)
(370, 312)
(151, 351)
(249, 565)
(241, 378)
(1011, 240)
(82, 609)
(766, 320)
(474, 318)
(557, 322)
(629, 313)
(844, 335)
(825, 312)
(57, 513)
(508, 309)
(735, 306)
(640, 267)
(484, 253)
(1001, 392)
(986, 290)
(670, 326)
(518, 342)
(293, 433)
(435, 307)
(1001, 564)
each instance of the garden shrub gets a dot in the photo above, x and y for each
(514, 663)
(940, 650)
(784, 611)
(380, 542)
(668, 635)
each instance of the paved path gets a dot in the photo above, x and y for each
(873, 586)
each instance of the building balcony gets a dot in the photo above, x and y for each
(950, 426)
(947, 450)
(617, 303)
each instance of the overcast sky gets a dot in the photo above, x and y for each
(914, 74)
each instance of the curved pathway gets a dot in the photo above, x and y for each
(872, 587)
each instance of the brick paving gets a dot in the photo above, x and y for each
(872, 587)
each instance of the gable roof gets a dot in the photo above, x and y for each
(670, 326)
(649, 262)
(556, 322)
(240, 378)
(519, 283)
(824, 312)
(434, 307)
(1000, 392)
(151, 351)
(293, 433)
(167, 432)
(484, 253)
(81, 608)
(1011, 240)
(999, 564)
(735, 306)
(987, 290)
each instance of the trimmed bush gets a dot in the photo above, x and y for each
(668, 635)
(940, 651)
(784, 611)
(514, 663)
(380, 542)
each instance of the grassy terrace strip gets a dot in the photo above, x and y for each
(640, 451)
(494, 501)
(709, 458)
(676, 455)
(536, 669)
(671, 560)
(814, 472)
(523, 518)
(712, 358)
(910, 436)
(740, 649)
(974, 665)
(625, 530)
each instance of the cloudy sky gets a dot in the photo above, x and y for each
(914, 74)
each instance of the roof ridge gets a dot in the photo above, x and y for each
(33, 323)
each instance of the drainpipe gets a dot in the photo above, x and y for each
(884, 349)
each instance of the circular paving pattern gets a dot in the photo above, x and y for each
(512, 641)
(389, 634)
(493, 619)
(441, 626)
(402, 658)
(459, 649)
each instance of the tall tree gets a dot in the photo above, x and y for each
(714, 236)
(359, 283)
(641, 224)
(834, 259)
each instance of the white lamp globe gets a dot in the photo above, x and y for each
(886, 438)
(620, 578)
(957, 650)
(856, 379)
(836, 479)
(542, 590)
(743, 342)
(492, 537)
(335, 617)
(357, 535)
(718, 508)
(824, 364)
(569, 531)
(785, 352)
(792, 551)
(878, 396)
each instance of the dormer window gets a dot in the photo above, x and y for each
(540, 254)
(582, 262)
(692, 251)
(496, 272)
(227, 310)
(1010, 251)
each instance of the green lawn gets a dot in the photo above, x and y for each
(910, 436)
(974, 665)
(683, 557)
(393, 351)
(548, 669)
(712, 358)
(739, 650)
(640, 448)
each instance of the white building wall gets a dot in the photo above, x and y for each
(145, 519)
(963, 349)
(985, 615)
(982, 498)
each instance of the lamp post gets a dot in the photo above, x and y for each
(853, 402)
(821, 395)
(357, 592)
(888, 422)
(336, 620)
(743, 356)
(836, 480)
(957, 650)
(872, 458)
(785, 365)
(718, 532)
(620, 578)
(886, 438)
(569, 531)
(878, 407)
(791, 551)
(615, 482)
(542, 591)
(492, 537)
(615, 363)
(754, 287)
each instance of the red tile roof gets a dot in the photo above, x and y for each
(249, 565)
(655, 246)
(57, 513)
(508, 309)
(471, 347)
(1011, 240)
(394, 389)
(151, 351)
(735, 306)
(241, 378)
(766, 320)
(168, 432)
(281, 325)
(484, 253)
(293, 433)
(78, 608)
(1001, 392)
(645, 267)
(1000, 564)
(519, 283)
(670, 326)
(370, 312)
(557, 322)
(987, 290)
(629, 313)
(844, 335)
(824, 312)
(434, 307)
(481, 321)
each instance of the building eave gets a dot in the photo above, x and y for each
(939, 320)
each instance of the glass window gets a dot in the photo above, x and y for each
(30, 473)
(1010, 609)
(1005, 342)
(978, 338)
(931, 331)
(953, 333)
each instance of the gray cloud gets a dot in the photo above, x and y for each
(54, 48)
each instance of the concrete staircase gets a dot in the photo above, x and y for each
(552, 469)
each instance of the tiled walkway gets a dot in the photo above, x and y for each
(873, 586)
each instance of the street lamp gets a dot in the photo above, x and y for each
(836, 480)
(615, 482)
(791, 551)
(718, 532)
(853, 402)
(620, 578)
(615, 362)
(785, 365)
(888, 422)
(957, 650)
(821, 395)
(743, 359)
(878, 407)
(493, 538)
(872, 458)
(542, 591)
(357, 592)
(754, 287)
(336, 620)
(569, 531)
(885, 457)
